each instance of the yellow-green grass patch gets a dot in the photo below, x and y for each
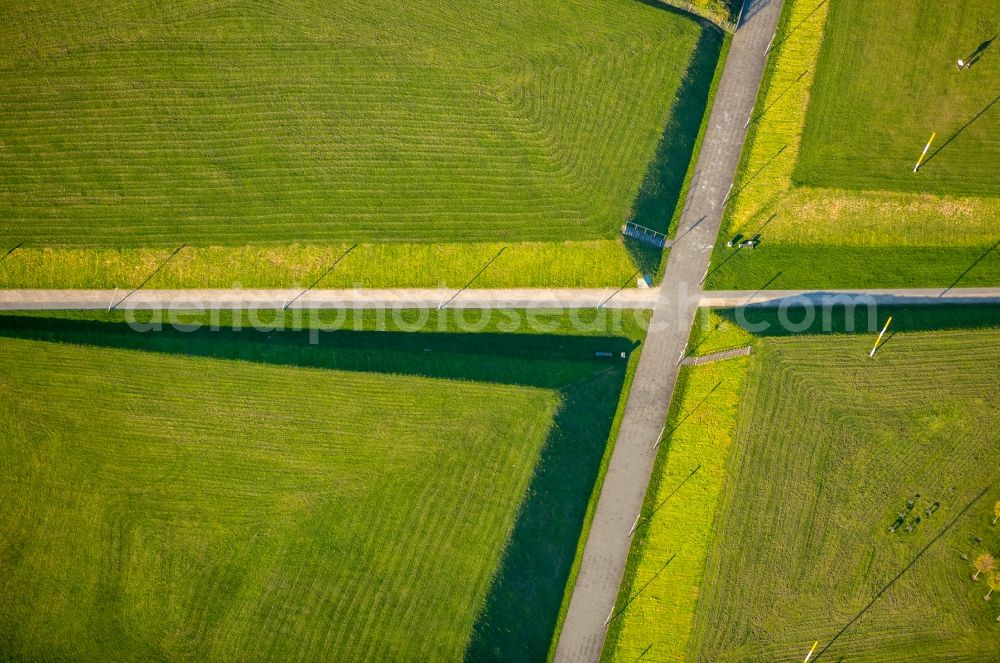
(597, 263)
(655, 610)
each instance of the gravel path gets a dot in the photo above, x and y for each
(576, 298)
(631, 298)
(596, 590)
(722, 355)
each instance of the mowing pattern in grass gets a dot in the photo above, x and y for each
(830, 446)
(237, 122)
(655, 610)
(227, 510)
(824, 237)
(877, 99)
(553, 351)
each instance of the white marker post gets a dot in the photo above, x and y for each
(810, 654)
(879, 339)
(924, 153)
(659, 438)
(635, 524)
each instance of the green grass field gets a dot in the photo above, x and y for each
(829, 447)
(876, 100)
(234, 124)
(826, 173)
(259, 132)
(231, 494)
(763, 526)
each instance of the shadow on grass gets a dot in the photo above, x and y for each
(10, 251)
(958, 133)
(628, 602)
(473, 279)
(732, 7)
(645, 257)
(973, 265)
(767, 321)
(977, 54)
(483, 357)
(795, 27)
(150, 277)
(732, 196)
(321, 277)
(902, 572)
(751, 9)
(659, 193)
(523, 602)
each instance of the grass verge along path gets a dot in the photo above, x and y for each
(597, 263)
(655, 610)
